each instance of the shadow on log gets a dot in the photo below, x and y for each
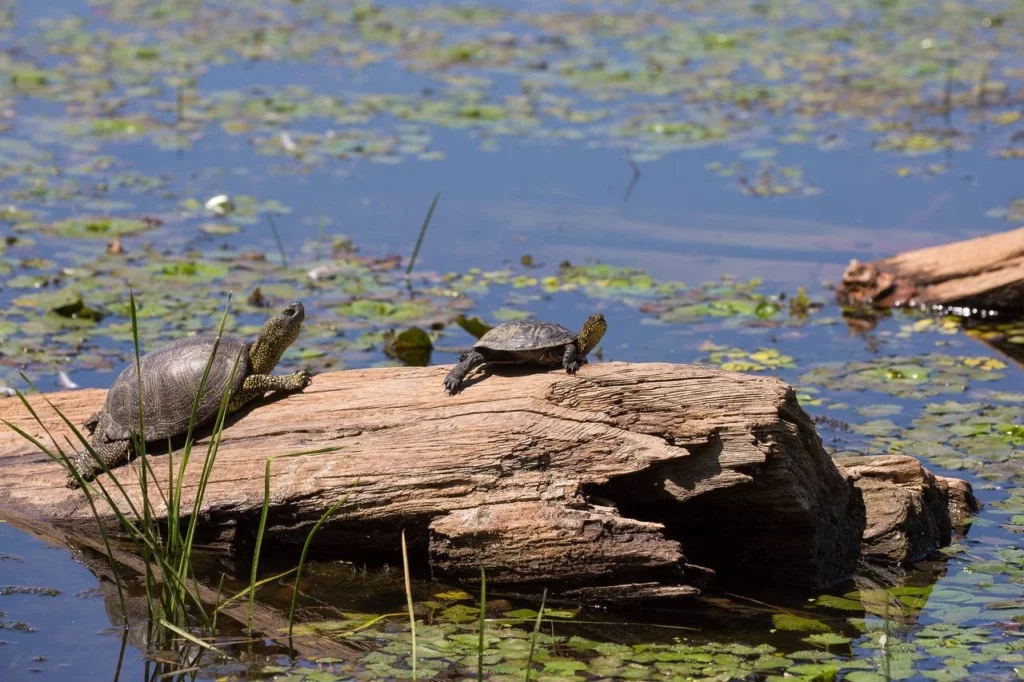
(624, 481)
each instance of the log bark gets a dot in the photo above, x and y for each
(910, 511)
(621, 480)
(986, 273)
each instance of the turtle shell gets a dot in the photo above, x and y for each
(525, 335)
(170, 381)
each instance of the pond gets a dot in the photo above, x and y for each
(686, 168)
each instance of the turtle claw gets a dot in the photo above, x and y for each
(303, 379)
(572, 367)
(452, 385)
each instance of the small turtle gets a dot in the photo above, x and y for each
(170, 380)
(531, 342)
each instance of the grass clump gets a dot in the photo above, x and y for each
(175, 608)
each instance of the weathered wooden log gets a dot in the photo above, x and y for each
(984, 273)
(910, 511)
(625, 475)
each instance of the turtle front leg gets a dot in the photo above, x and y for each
(570, 359)
(453, 382)
(258, 385)
(113, 454)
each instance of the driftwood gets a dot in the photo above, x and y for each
(626, 480)
(980, 274)
(910, 511)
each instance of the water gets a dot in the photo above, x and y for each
(383, 121)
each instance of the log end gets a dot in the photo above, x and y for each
(910, 512)
(867, 285)
(985, 272)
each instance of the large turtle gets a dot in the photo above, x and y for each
(532, 342)
(170, 381)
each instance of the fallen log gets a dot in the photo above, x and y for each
(974, 276)
(627, 476)
(910, 511)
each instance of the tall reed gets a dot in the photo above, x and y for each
(408, 599)
(172, 600)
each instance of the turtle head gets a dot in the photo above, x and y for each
(276, 335)
(590, 333)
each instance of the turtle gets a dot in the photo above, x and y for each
(170, 381)
(530, 342)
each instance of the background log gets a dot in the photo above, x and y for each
(985, 272)
(622, 475)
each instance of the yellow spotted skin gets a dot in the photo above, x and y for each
(591, 333)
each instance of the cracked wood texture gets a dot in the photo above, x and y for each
(986, 271)
(623, 475)
(910, 511)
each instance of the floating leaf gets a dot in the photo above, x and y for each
(412, 346)
(98, 227)
(787, 621)
(473, 325)
(827, 639)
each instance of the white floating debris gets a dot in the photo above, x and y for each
(324, 272)
(65, 381)
(220, 204)
(287, 142)
(8, 391)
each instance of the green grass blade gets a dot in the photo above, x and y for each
(423, 233)
(187, 450)
(144, 542)
(536, 633)
(139, 439)
(259, 545)
(211, 456)
(184, 550)
(63, 459)
(122, 519)
(247, 590)
(95, 513)
(408, 599)
(82, 483)
(277, 238)
(482, 625)
(220, 588)
(191, 638)
(302, 558)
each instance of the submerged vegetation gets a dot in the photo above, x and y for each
(198, 149)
